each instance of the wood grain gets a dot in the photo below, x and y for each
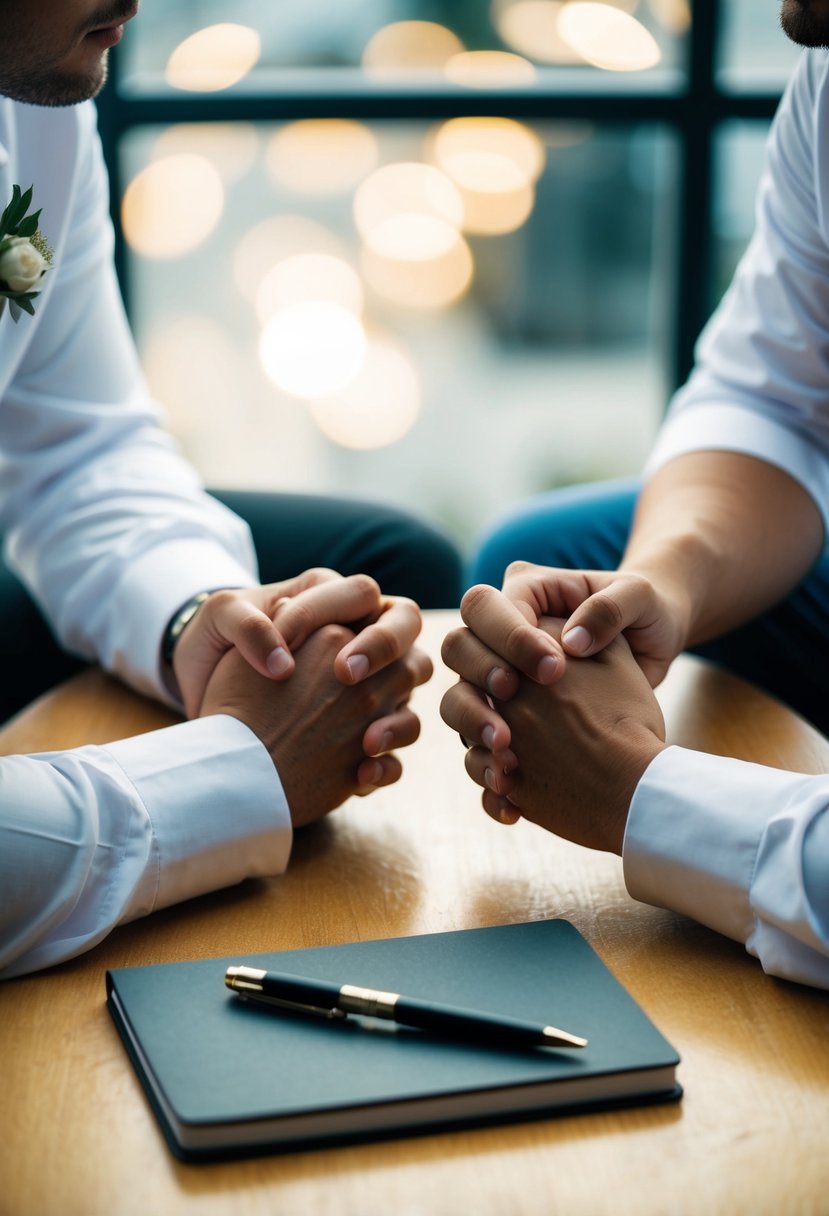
(749, 1137)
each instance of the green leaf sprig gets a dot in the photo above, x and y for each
(15, 222)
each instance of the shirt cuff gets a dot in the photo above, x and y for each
(693, 835)
(721, 426)
(216, 805)
(154, 587)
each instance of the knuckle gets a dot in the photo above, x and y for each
(515, 569)
(607, 610)
(321, 574)
(474, 599)
(365, 586)
(223, 598)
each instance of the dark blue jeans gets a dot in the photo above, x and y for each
(785, 651)
(291, 532)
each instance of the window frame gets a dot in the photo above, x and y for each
(693, 107)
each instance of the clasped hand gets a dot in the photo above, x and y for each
(332, 727)
(554, 738)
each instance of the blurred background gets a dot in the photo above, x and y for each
(445, 253)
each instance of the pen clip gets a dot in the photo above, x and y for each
(259, 998)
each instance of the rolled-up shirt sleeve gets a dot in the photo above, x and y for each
(761, 374)
(741, 848)
(97, 836)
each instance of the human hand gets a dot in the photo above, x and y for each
(265, 624)
(328, 740)
(566, 756)
(597, 605)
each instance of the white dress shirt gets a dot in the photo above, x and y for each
(740, 847)
(112, 532)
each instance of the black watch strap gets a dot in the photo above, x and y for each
(178, 623)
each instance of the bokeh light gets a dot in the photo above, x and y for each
(307, 277)
(312, 349)
(192, 368)
(231, 146)
(607, 37)
(672, 15)
(172, 206)
(321, 156)
(494, 163)
(418, 283)
(379, 406)
(489, 69)
(410, 45)
(214, 58)
(274, 239)
(405, 188)
(531, 28)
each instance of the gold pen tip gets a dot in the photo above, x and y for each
(560, 1038)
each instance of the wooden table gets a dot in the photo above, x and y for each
(750, 1136)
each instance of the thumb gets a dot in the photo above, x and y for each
(596, 622)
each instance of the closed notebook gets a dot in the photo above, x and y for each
(227, 1077)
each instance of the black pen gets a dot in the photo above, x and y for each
(328, 1000)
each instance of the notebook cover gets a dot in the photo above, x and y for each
(227, 1078)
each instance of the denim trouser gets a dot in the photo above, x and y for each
(785, 651)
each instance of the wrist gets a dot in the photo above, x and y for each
(678, 575)
(178, 622)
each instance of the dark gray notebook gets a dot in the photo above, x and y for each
(226, 1077)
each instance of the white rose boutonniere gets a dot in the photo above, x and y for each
(25, 255)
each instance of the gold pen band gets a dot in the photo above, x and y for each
(369, 1001)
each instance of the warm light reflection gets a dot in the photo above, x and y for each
(412, 45)
(192, 368)
(461, 137)
(379, 406)
(321, 155)
(312, 349)
(531, 27)
(213, 58)
(493, 162)
(607, 37)
(489, 69)
(673, 15)
(274, 239)
(231, 146)
(406, 188)
(172, 206)
(308, 277)
(412, 237)
(417, 283)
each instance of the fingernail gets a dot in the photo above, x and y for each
(546, 670)
(488, 736)
(357, 667)
(498, 683)
(376, 774)
(278, 661)
(489, 778)
(388, 739)
(578, 639)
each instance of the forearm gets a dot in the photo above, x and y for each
(724, 536)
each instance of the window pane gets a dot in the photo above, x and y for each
(210, 45)
(755, 54)
(449, 317)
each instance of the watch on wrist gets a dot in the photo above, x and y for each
(178, 623)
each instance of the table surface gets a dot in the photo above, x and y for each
(749, 1136)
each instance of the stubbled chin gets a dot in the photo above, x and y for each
(805, 26)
